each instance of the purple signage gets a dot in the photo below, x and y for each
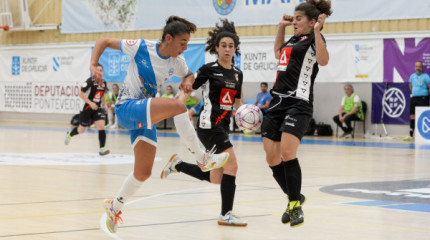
(404, 62)
(395, 102)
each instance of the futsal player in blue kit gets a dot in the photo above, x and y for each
(138, 110)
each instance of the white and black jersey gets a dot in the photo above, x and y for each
(93, 91)
(220, 88)
(297, 68)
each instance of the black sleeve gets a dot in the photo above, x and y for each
(314, 45)
(201, 78)
(86, 85)
(239, 91)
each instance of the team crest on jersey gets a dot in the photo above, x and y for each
(303, 38)
(139, 125)
(131, 42)
(224, 7)
(237, 77)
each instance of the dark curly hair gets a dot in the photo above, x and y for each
(226, 30)
(176, 25)
(313, 8)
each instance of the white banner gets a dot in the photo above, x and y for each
(350, 61)
(353, 61)
(41, 97)
(85, 16)
(44, 80)
(257, 61)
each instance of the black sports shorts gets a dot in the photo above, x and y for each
(418, 102)
(87, 117)
(286, 115)
(216, 136)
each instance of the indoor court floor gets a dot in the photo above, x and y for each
(355, 189)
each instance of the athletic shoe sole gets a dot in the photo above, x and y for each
(212, 168)
(167, 164)
(232, 224)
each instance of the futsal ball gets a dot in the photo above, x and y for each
(249, 117)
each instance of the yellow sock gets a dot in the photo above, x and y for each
(294, 204)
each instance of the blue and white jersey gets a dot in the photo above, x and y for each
(147, 69)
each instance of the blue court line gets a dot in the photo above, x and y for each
(243, 138)
(415, 207)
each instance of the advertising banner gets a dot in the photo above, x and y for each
(86, 16)
(392, 98)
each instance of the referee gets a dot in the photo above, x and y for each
(419, 83)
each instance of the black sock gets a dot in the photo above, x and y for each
(279, 175)
(228, 188)
(293, 177)
(412, 127)
(102, 138)
(74, 132)
(193, 170)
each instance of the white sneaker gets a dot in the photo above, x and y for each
(112, 218)
(169, 168)
(114, 126)
(103, 152)
(229, 219)
(212, 161)
(68, 138)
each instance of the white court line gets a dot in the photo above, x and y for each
(104, 216)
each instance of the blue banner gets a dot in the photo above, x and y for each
(394, 99)
(115, 63)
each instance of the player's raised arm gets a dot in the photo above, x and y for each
(98, 50)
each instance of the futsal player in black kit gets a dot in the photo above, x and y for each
(221, 83)
(291, 108)
(93, 95)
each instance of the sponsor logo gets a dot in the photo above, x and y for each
(394, 103)
(140, 125)
(284, 59)
(410, 191)
(218, 74)
(16, 65)
(56, 64)
(303, 38)
(424, 125)
(170, 72)
(131, 42)
(226, 98)
(114, 64)
(224, 7)
(27, 64)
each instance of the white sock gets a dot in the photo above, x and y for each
(110, 118)
(128, 189)
(188, 134)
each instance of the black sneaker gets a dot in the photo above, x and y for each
(297, 216)
(285, 216)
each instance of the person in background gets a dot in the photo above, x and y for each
(92, 92)
(263, 98)
(169, 92)
(192, 103)
(111, 98)
(419, 83)
(350, 110)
